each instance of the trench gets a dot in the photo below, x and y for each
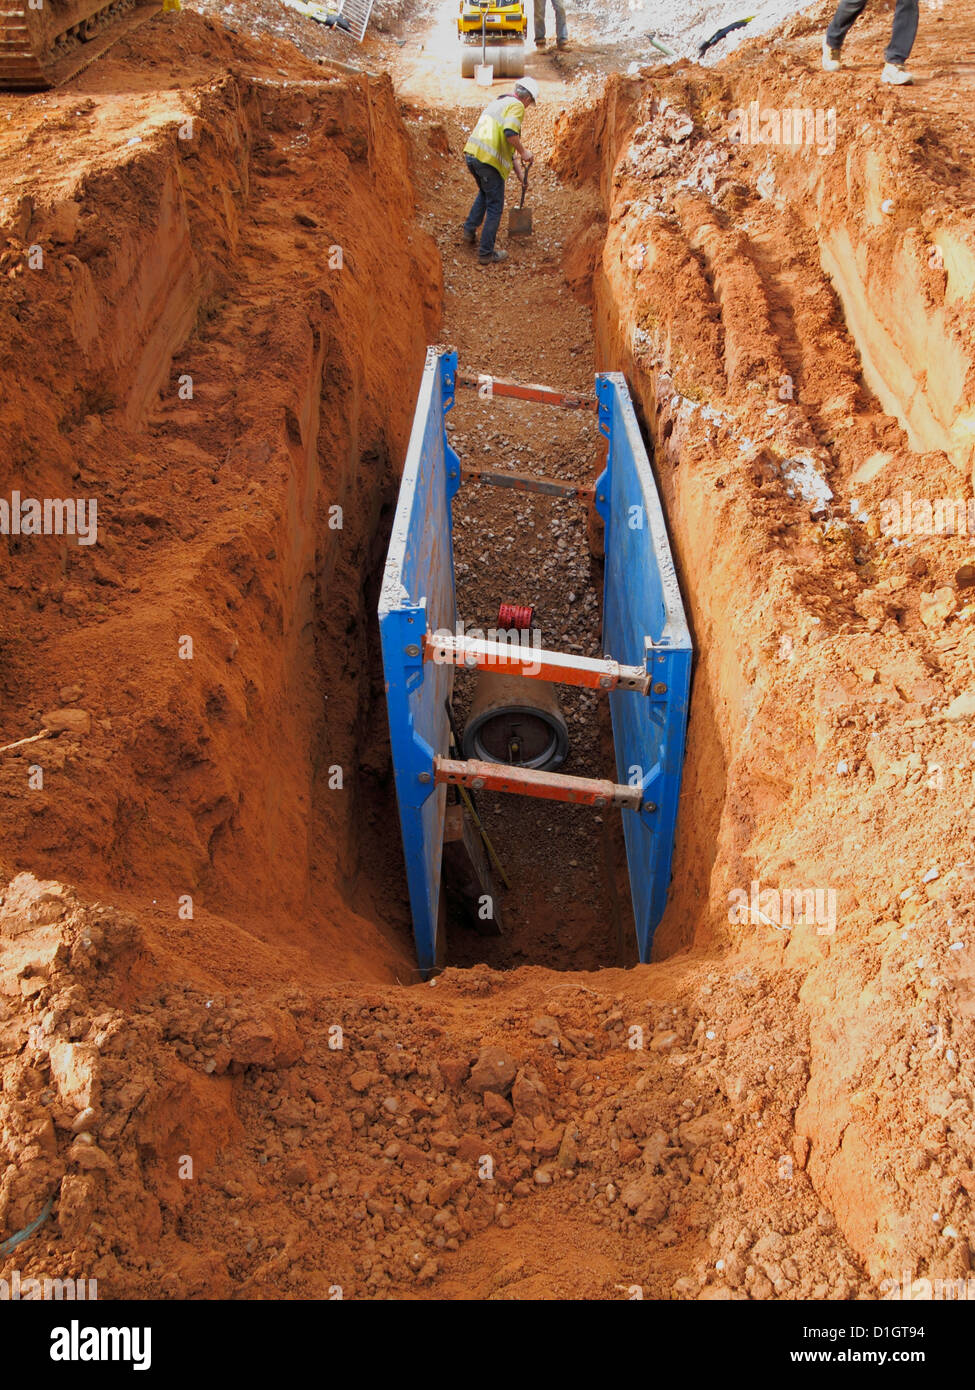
(200, 282)
(782, 296)
(264, 788)
(568, 905)
(261, 783)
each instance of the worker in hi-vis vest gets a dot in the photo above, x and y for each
(492, 151)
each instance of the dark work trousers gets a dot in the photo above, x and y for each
(488, 205)
(902, 36)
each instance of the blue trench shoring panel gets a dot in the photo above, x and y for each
(643, 625)
(417, 596)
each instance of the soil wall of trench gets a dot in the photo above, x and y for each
(777, 309)
(220, 349)
(216, 333)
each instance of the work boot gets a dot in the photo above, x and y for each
(469, 236)
(562, 45)
(541, 45)
(896, 74)
(831, 58)
(495, 258)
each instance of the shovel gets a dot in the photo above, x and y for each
(520, 218)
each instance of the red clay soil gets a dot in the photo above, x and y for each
(248, 1095)
(830, 742)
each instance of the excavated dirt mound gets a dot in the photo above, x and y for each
(217, 1074)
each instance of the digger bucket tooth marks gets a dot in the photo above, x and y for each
(646, 672)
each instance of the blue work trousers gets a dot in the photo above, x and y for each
(488, 205)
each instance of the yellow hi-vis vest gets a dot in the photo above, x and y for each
(488, 142)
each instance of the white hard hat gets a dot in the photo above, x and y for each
(529, 85)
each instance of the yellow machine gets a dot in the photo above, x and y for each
(492, 31)
(42, 42)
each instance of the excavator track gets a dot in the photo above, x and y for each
(41, 47)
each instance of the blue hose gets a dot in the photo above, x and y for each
(13, 1241)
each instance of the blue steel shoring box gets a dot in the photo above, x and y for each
(643, 625)
(418, 596)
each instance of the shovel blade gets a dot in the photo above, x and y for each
(520, 222)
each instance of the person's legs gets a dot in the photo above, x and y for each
(561, 28)
(492, 186)
(476, 215)
(539, 20)
(847, 12)
(904, 32)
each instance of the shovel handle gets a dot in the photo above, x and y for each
(524, 190)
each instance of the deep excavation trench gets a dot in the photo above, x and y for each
(802, 1102)
(568, 906)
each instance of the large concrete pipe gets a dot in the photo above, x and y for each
(515, 720)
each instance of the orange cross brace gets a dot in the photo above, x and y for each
(525, 781)
(529, 482)
(523, 659)
(490, 386)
